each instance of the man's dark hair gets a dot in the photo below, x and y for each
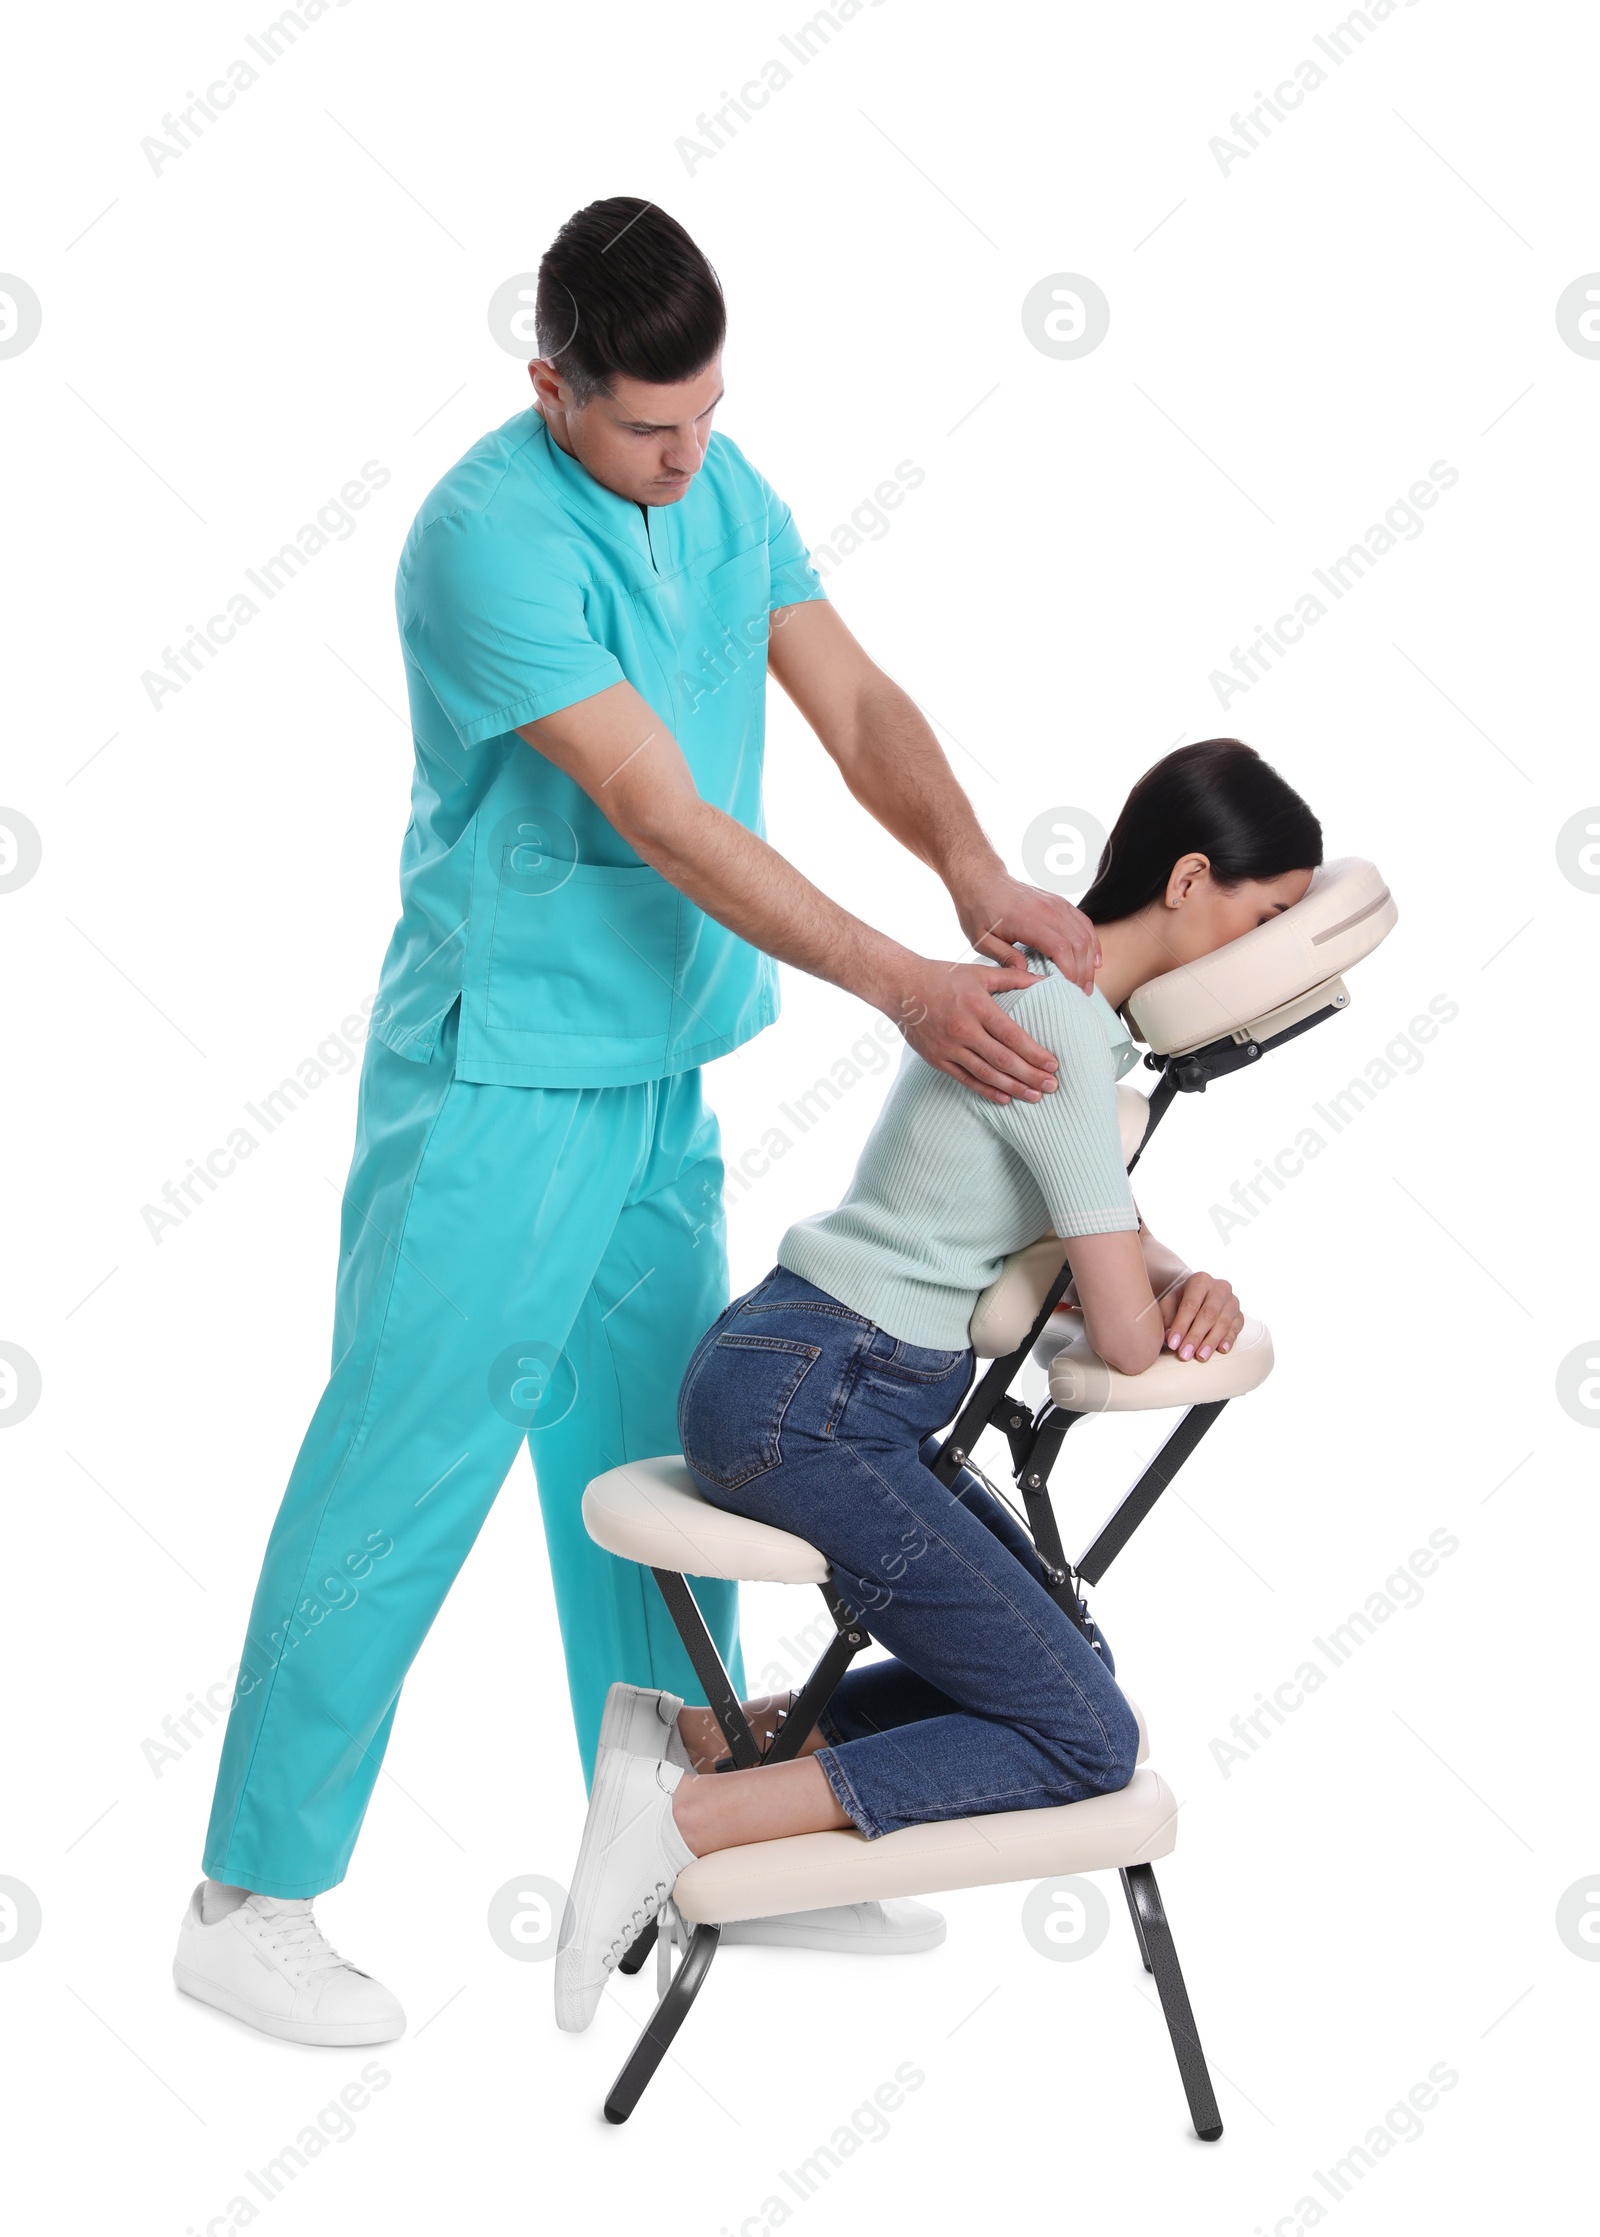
(1219, 799)
(623, 289)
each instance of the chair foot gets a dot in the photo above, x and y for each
(1162, 1957)
(663, 2024)
(1138, 1930)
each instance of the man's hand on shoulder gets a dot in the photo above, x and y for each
(948, 1013)
(999, 914)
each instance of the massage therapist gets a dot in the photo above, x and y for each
(589, 603)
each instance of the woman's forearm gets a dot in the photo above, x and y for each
(1163, 1265)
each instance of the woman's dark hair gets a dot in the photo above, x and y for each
(1219, 799)
(623, 289)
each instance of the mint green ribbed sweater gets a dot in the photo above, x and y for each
(948, 1184)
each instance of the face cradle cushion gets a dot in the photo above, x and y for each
(1200, 1023)
(1237, 991)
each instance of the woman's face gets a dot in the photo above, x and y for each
(1200, 915)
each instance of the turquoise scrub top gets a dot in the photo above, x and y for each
(525, 586)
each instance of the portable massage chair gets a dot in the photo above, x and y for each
(1200, 1023)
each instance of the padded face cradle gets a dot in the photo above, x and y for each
(1343, 914)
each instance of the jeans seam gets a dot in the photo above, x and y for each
(846, 1796)
(844, 1389)
(1001, 1794)
(804, 1305)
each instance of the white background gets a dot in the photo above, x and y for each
(1292, 343)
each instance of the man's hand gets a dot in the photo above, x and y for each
(999, 914)
(948, 1014)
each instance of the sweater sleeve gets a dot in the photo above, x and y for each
(1070, 1140)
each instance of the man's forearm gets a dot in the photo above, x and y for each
(748, 886)
(895, 767)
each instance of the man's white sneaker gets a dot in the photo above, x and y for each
(629, 1858)
(266, 1961)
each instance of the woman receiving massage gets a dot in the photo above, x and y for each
(808, 1402)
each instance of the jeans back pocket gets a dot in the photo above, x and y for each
(733, 1402)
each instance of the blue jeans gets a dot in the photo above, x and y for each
(806, 1415)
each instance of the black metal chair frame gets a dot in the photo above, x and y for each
(1035, 1439)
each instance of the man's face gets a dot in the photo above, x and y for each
(641, 439)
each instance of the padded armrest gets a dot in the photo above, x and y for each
(1344, 913)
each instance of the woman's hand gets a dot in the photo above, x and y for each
(1201, 1315)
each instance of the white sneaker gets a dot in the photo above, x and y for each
(266, 1961)
(646, 1724)
(629, 1859)
(642, 1721)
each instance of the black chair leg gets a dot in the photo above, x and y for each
(1162, 1957)
(643, 1946)
(663, 2024)
(1133, 1913)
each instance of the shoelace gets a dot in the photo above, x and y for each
(623, 1942)
(296, 1933)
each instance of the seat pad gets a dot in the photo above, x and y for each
(649, 1511)
(814, 1870)
(1082, 1383)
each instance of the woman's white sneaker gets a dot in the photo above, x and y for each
(643, 1720)
(629, 1858)
(645, 1723)
(267, 1963)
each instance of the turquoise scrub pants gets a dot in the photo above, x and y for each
(514, 1261)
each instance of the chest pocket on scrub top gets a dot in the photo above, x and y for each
(576, 948)
(734, 595)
